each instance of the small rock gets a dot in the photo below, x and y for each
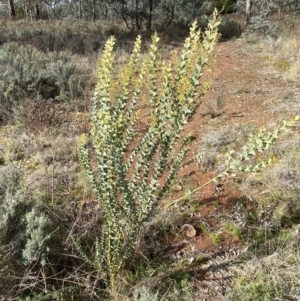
(188, 230)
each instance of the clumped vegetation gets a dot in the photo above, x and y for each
(28, 73)
(273, 276)
(101, 175)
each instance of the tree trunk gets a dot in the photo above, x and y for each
(94, 10)
(80, 9)
(137, 16)
(248, 11)
(169, 22)
(149, 22)
(37, 11)
(11, 8)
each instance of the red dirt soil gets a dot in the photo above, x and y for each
(237, 76)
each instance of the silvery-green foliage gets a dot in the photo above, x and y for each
(26, 72)
(143, 294)
(264, 26)
(12, 209)
(37, 227)
(181, 12)
(130, 184)
(45, 296)
(285, 5)
(265, 7)
(240, 6)
(259, 22)
(10, 193)
(23, 224)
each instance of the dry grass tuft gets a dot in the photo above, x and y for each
(284, 53)
(274, 276)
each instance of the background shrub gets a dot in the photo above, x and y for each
(28, 73)
(264, 26)
(23, 223)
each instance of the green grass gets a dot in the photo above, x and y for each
(215, 237)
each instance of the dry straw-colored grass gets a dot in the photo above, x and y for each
(284, 53)
(274, 276)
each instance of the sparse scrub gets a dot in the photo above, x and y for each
(36, 211)
(157, 233)
(12, 151)
(219, 141)
(281, 181)
(27, 72)
(248, 159)
(143, 294)
(10, 178)
(22, 223)
(207, 161)
(287, 49)
(52, 221)
(66, 41)
(274, 276)
(79, 37)
(282, 49)
(287, 212)
(214, 143)
(38, 115)
(263, 26)
(231, 29)
(24, 229)
(50, 170)
(70, 36)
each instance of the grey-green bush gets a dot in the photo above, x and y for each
(28, 73)
(23, 224)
